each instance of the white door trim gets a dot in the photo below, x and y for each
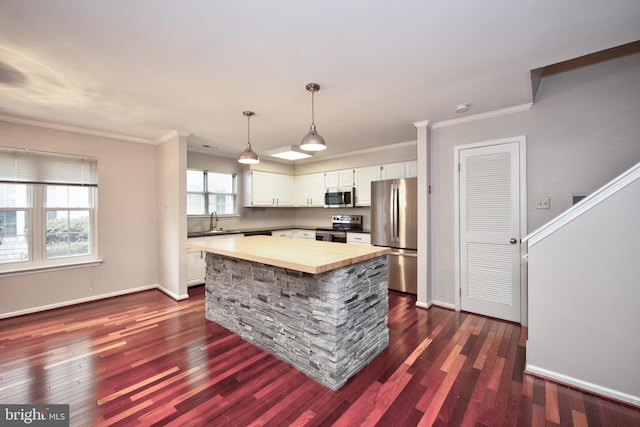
(522, 141)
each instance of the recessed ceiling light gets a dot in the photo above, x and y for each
(462, 108)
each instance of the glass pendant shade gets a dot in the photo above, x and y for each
(248, 156)
(313, 141)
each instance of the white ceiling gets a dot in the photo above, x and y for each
(146, 67)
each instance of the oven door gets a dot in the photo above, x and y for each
(323, 235)
(339, 236)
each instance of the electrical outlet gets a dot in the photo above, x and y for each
(543, 203)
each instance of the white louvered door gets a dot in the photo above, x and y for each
(490, 230)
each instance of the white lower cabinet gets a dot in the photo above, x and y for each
(359, 238)
(195, 267)
(282, 233)
(295, 233)
(305, 234)
(196, 260)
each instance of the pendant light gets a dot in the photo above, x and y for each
(313, 141)
(248, 156)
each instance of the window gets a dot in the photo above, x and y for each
(15, 205)
(68, 217)
(47, 209)
(209, 192)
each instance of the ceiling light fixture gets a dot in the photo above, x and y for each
(290, 152)
(462, 108)
(248, 156)
(313, 141)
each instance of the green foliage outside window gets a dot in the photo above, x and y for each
(67, 237)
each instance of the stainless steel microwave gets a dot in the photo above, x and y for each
(343, 197)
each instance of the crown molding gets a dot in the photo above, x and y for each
(356, 152)
(75, 129)
(482, 116)
(171, 135)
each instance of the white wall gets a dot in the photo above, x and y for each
(172, 216)
(126, 222)
(583, 299)
(582, 131)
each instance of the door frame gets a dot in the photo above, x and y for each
(522, 141)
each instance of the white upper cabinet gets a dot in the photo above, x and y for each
(309, 190)
(266, 189)
(347, 178)
(411, 169)
(392, 171)
(341, 178)
(399, 170)
(363, 178)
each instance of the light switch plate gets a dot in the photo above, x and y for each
(543, 203)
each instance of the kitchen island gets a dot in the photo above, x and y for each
(320, 306)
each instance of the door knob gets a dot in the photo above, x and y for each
(513, 241)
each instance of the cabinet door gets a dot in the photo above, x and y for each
(363, 178)
(309, 190)
(347, 178)
(305, 234)
(392, 171)
(411, 170)
(262, 188)
(316, 190)
(283, 233)
(196, 267)
(301, 184)
(332, 179)
(284, 193)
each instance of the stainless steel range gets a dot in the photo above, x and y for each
(340, 224)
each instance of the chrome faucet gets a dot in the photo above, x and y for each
(213, 226)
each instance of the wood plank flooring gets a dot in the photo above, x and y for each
(144, 360)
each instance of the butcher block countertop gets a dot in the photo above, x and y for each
(309, 256)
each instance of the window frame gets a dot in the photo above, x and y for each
(37, 170)
(37, 233)
(207, 194)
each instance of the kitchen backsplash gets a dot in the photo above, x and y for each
(278, 217)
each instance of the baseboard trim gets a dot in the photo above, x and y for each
(76, 301)
(425, 305)
(583, 385)
(446, 305)
(172, 294)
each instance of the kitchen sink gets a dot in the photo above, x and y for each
(208, 233)
(216, 231)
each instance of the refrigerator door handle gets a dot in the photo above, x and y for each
(392, 213)
(395, 197)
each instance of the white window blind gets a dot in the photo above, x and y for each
(39, 167)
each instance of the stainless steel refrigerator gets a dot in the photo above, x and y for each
(394, 224)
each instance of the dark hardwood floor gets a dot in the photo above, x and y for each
(144, 359)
